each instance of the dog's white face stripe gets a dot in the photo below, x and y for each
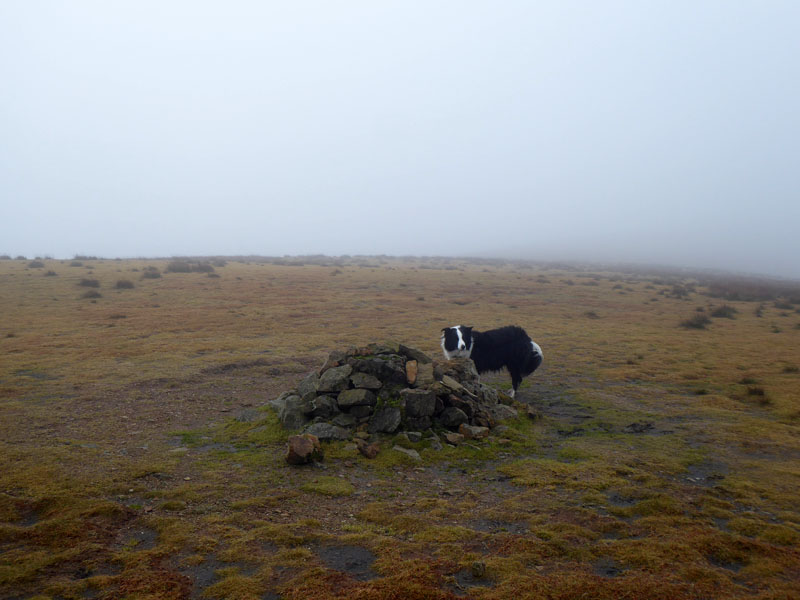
(536, 348)
(462, 351)
(461, 345)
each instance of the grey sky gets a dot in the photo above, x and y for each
(636, 131)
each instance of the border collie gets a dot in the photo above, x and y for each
(508, 347)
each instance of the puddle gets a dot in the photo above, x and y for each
(356, 561)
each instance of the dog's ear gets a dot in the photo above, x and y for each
(445, 329)
(465, 328)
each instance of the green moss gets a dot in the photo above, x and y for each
(573, 454)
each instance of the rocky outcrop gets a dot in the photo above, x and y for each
(386, 388)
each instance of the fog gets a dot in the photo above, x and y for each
(643, 132)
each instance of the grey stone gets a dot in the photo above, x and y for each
(488, 394)
(483, 418)
(453, 384)
(413, 436)
(293, 413)
(390, 370)
(279, 402)
(424, 375)
(385, 420)
(408, 452)
(435, 443)
(366, 381)
(414, 354)
(323, 406)
(452, 417)
(418, 423)
(383, 348)
(473, 432)
(334, 359)
(501, 412)
(326, 431)
(343, 420)
(419, 403)
(335, 379)
(467, 406)
(357, 397)
(360, 411)
(453, 438)
(309, 384)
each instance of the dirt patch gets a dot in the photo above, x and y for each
(607, 567)
(496, 526)
(356, 561)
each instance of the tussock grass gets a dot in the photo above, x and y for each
(725, 312)
(696, 322)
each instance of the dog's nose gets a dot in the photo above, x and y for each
(461, 346)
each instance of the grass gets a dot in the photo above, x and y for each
(137, 456)
(329, 486)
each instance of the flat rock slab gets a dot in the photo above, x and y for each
(326, 431)
(368, 382)
(357, 397)
(408, 452)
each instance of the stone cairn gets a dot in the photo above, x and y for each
(385, 389)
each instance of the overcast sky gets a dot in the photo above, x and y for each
(636, 131)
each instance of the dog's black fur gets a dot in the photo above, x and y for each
(492, 350)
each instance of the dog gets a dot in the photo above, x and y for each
(492, 350)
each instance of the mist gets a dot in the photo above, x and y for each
(638, 132)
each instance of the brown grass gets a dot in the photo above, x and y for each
(137, 459)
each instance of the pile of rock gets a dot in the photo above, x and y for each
(386, 388)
